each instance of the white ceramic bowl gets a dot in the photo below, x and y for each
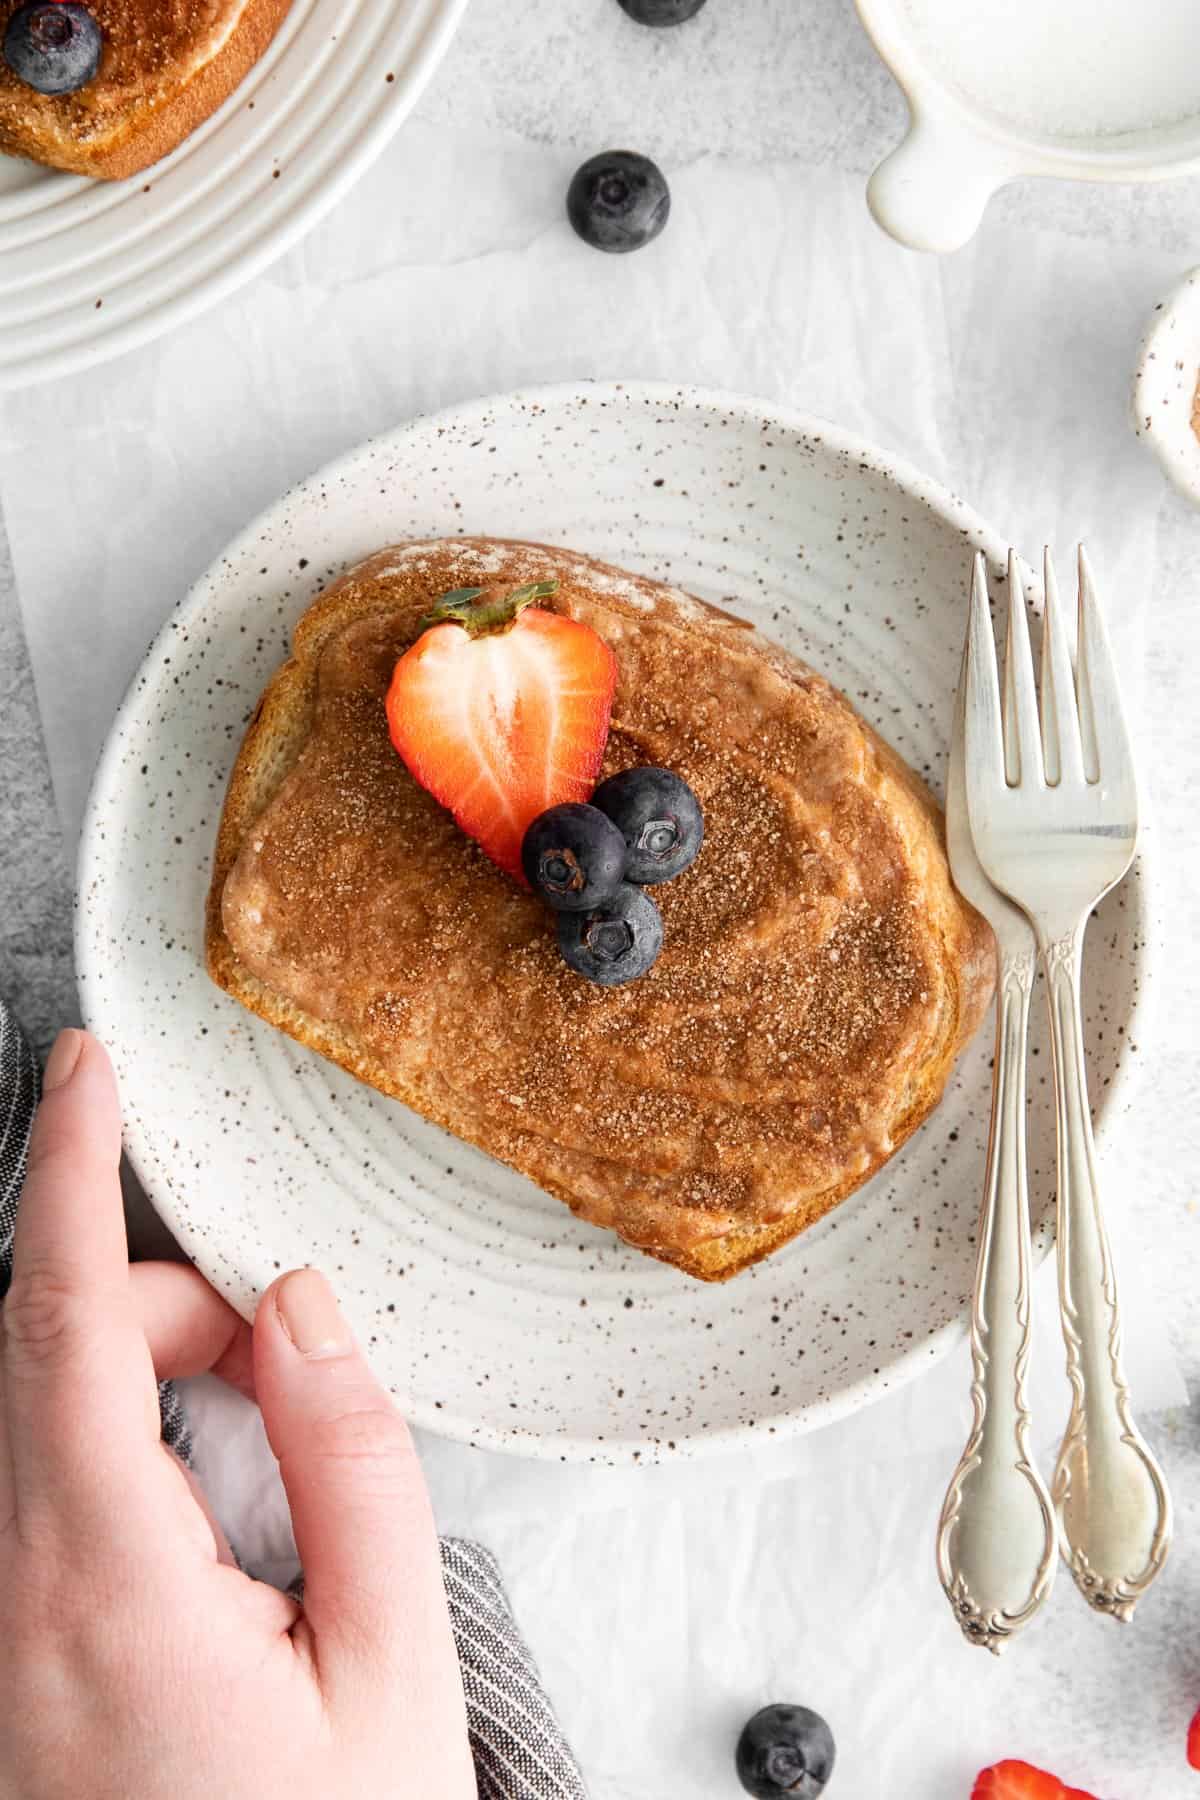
(89, 269)
(964, 142)
(497, 1316)
(1165, 385)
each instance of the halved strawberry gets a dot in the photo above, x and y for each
(1021, 1781)
(1193, 1742)
(501, 709)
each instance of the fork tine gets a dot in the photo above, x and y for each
(1061, 749)
(1022, 731)
(958, 726)
(1105, 735)
(983, 733)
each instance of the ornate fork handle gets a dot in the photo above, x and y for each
(1112, 1501)
(996, 1536)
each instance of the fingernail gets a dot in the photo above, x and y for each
(68, 1048)
(310, 1315)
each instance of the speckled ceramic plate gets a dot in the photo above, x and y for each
(91, 268)
(496, 1315)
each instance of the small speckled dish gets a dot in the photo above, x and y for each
(497, 1316)
(1166, 386)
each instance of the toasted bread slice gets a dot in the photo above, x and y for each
(164, 70)
(819, 973)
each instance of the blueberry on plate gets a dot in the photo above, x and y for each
(54, 48)
(785, 1750)
(659, 817)
(573, 856)
(614, 942)
(618, 201)
(662, 12)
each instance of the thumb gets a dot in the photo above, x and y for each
(373, 1592)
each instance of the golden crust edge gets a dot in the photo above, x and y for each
(139, 140)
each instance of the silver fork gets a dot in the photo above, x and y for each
(1052, 802)
(996, 1537)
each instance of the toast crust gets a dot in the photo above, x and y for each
(739, 1092)
(166, 68)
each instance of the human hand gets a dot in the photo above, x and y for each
(135, 1659)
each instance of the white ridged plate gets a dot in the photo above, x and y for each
(89, 269)
(497, 1316)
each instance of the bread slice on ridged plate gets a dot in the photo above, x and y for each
(818, 974)
(107, 87)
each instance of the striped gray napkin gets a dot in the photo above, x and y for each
(519, 1749)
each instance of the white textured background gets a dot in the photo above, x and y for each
(760, 1590)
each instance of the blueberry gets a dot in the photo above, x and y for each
(618, 200)
(662, 12)
(53, 47)
(785, 1750)
(616, 941)
(659, 817)
(573, 856)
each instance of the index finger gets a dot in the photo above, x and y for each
(80, 1397)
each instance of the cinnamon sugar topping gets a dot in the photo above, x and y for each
(771, 1047)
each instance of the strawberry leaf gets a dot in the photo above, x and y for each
(483, 611)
